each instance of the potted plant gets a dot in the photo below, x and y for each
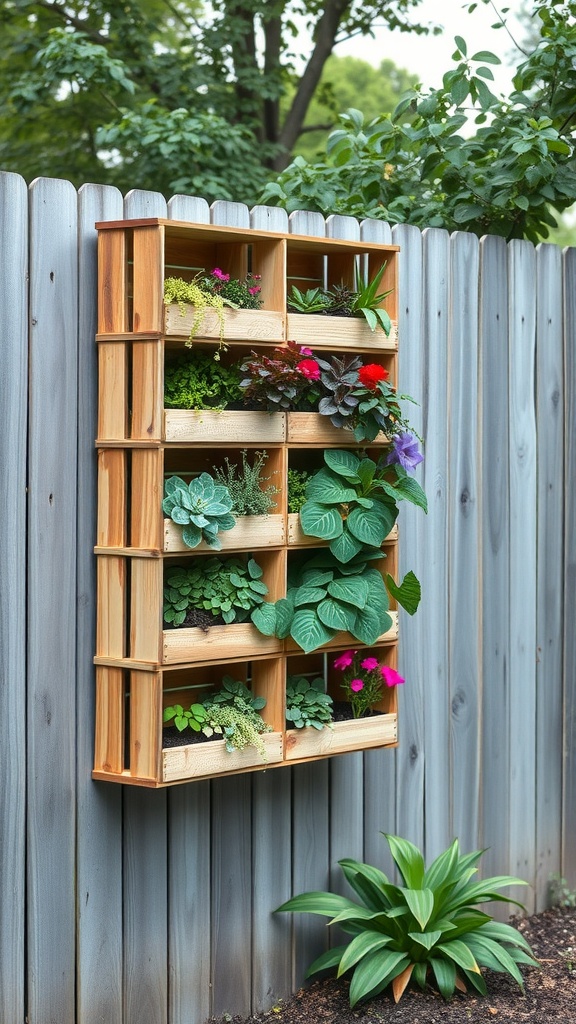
(355, 314)
(216, 306)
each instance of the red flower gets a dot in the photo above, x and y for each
(309, 368)
(370, 374)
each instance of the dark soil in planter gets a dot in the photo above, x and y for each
(549, 998)
(171, 737)
(342, 712)
(197, 617)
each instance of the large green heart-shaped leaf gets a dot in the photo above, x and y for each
(345, 547)
(407, 593)
(328, 488)
(308, 631)
(352, 590)
(344, 463)
(308, 595)
(340, 617)
(370, 525)
(369, 623)
(320, 521)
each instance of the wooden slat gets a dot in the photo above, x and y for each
(13, 414)
(523, 564)
(204, 759)
(335, 332)
(342, 738)
(249, 533)
(52, 605)
(240, 640)
(212, 428)
(568, 867)
(111, 607)
(146, 586)
(495, 519)
(111, 528)
(145, 724)
(316, 431)
(147, 390)
(109, 720)
(550, 566)
(252, 325)
(147, 491)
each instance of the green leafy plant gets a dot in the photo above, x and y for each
(194, 718)
(326, 598)
(427, 927)
(201, 508)
(199, 381)
(214, 291)
(230, 588)
(297, 481)
(363, 300)
(244, 483)
(283, 381)
(314, 300)
(307, 703)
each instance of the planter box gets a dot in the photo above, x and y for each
(250, 532)
(298, 539)
(314, 430)
(221, 427)
(239, 324)
(358, 734)
(201, 760)
(335, 332)
(343, 641)
(237, 642)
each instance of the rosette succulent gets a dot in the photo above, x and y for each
(201, 508)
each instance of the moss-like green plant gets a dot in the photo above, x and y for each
(228, 587)
(428, 926)
(297, 481)
(233, 712)
(186, 293)
(198, 381)
(244, 484)
(201, 508)
(307, 704)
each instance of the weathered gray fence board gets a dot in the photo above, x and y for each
(549, 599)
(310, 858)
(569, 638)
(99, 824)
(52, 602)
(523, 539)
(463, 544)
(189, 838)
(495, 519)
(431, 389)
(413, 660)
(145, 843)
(13, 415)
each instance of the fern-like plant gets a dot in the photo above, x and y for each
(244, 484)
(426, 928)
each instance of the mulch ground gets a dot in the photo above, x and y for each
(549, 996)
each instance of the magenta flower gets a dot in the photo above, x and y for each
(255, 289)
(220, 274)
(369, 664)
(305, 351)
(344, 660)
(390, 676)
(309, 368)
(356, 685)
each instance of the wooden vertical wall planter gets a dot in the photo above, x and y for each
(141, 666)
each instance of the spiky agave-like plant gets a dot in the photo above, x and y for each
(427, 926)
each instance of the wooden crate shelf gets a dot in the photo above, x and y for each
(142, 666)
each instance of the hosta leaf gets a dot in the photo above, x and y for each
(264, 618)
(367, 881)
(352, 590)
(258, 587)
(308, 595)
(370, 525)
(328, 488)
(481, 946)
(344, 463)
(362, 944)
(368, 625)
(345, 546)
(476, 981)
(409, 489)
(284, 616)
(442, 867)
(308, 632)
(254, 570)
(421, 903)
(504, 933)
(320, 520)
(316, 577)
(325, 903)
(407, 593)
(335, 615)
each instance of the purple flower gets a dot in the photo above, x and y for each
(405, 452)
(356, 685)
(345, 660)
(391, 677)
(369, 664)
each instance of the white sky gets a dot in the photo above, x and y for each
(429, 56)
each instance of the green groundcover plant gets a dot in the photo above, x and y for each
(427, 928)
(362, 301)
(231, 714)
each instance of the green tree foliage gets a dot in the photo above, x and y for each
(504, 173)
(173, 95)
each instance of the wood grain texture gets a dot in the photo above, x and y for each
(13, 414)
(495, 520)
(569, 633)
(413, 658)
(523, 562)
(550, 565)
(52, 600)
(145, 843)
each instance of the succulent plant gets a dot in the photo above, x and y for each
(201, 508)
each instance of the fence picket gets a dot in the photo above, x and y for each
(568, 864)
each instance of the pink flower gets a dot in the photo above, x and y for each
(390, 676)
(305, 351)
(345, 660)
(309, 368)
(255, 289)
(220, 274)
(369, 664)
(356, 685)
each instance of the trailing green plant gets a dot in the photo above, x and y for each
(201, 508)
(326, 597)
(228, 587)
(363, 679)
(213, 291)
(244, 484)
(199, 381)
(428, 927)
(297, 481)
(283, 381)
(307, 703)
(353, 503)
(194, 718)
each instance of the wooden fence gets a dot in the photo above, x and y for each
(127, 906)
